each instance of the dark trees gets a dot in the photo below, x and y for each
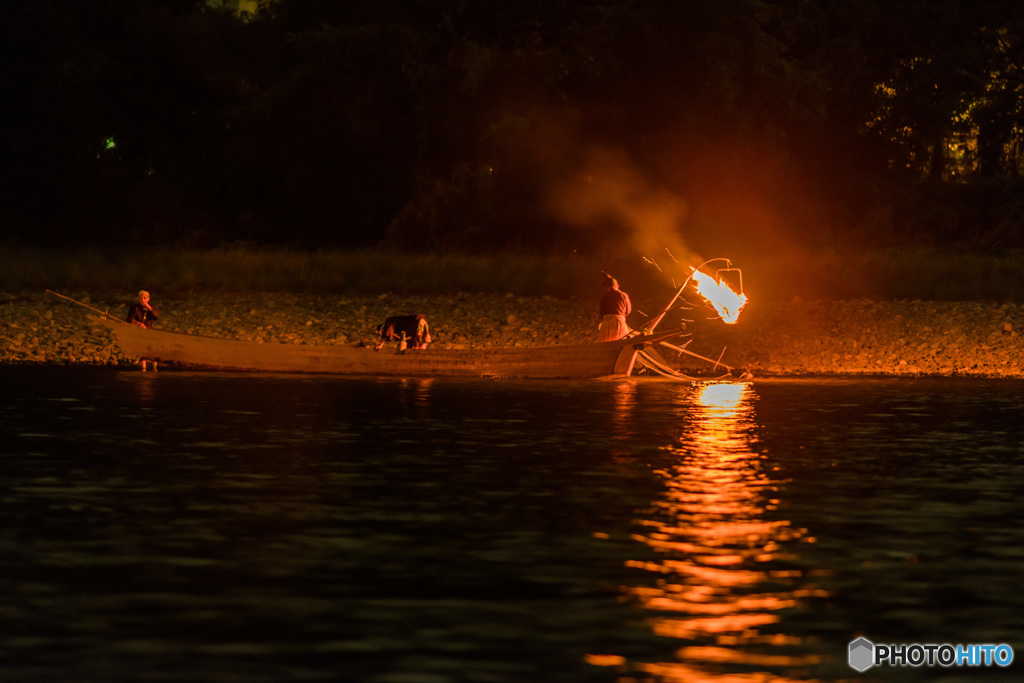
(462, 124)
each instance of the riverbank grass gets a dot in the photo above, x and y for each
(921, 274)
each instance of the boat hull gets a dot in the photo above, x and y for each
(215, 353)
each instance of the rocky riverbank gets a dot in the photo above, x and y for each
(792, 338)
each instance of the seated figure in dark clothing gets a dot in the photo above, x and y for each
(143, 314)
(417, 332)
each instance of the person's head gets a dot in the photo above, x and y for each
(143, 296)
(610, 282)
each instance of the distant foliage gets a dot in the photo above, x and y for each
(460, 126)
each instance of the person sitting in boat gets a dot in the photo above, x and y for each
(615, 306)
(143, 314)
(414, 327)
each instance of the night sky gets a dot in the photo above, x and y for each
(539, 125)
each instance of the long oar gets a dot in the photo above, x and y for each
(653, 321)
(103, 313)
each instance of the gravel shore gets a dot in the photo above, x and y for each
(913, 338)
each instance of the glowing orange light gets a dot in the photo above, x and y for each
(727, 303)
(717, 581)
(605, 660)
(721, 397)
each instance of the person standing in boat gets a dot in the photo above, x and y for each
(615, 306)
(414, 327)
(143, 314)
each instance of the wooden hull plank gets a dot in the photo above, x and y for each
(215, 353)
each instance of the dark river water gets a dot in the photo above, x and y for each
(180, 526)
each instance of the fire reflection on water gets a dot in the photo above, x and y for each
(624, 398)
(721, 580)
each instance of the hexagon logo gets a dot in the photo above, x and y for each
(862, 654)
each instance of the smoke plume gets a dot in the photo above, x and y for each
(612, 198)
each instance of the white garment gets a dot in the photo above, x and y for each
(612, 327)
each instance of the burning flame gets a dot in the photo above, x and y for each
(727, 303)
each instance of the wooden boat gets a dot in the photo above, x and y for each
(215, 353)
